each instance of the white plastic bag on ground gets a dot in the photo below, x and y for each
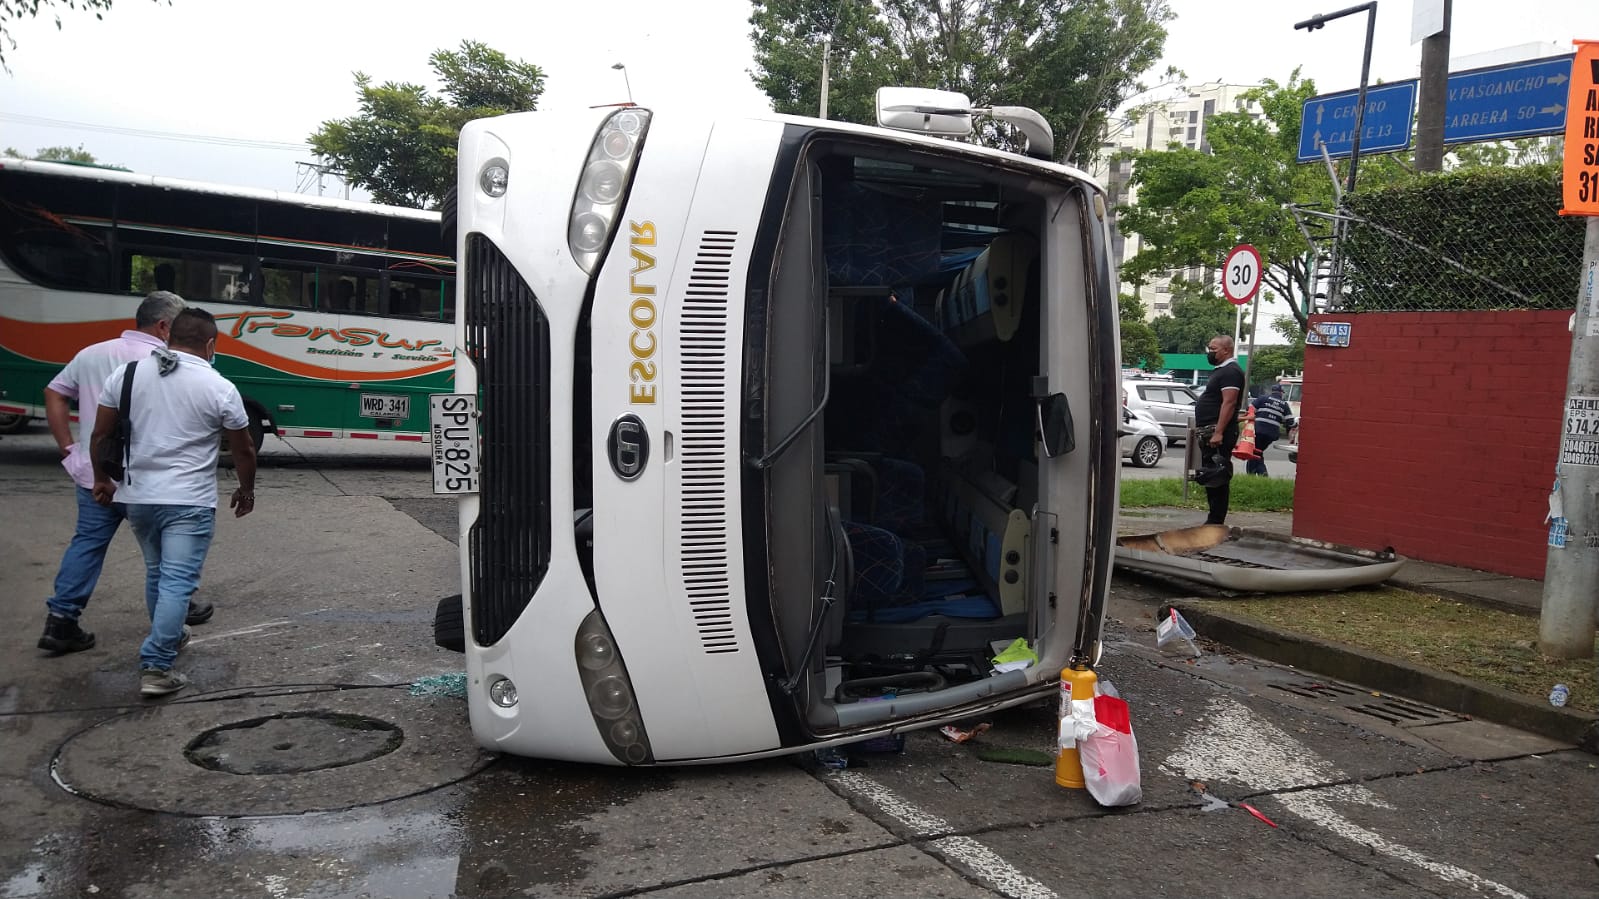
(1110, 755)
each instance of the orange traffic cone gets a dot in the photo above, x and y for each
(1246, 439)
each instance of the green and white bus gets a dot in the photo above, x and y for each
(336, 317)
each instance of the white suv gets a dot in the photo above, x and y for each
(1170, 403)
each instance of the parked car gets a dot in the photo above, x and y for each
(1169, 402)
(1142, 439)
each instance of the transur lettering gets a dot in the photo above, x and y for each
(278, 324)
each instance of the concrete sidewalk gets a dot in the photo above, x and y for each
(1370, 669)
(1484, 588)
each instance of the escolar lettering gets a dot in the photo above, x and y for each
(641, 314)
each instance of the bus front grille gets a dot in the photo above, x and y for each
(508, 338)
(706, 462)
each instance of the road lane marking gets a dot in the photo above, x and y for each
(1236, 744)
(980, 860)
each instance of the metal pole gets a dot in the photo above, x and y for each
(1571, 572)
(827, 51)
(1254, 328)
(1360, 98)
(1434, 97)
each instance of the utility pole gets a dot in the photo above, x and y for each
(1434, 96)
(1571, 569)
(827, 51)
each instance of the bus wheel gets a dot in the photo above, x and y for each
(260, 423)
(449, 624)
(14, 422)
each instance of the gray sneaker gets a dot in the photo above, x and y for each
(156, 682)
(183, 639)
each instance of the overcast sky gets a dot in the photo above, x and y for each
(272, 71)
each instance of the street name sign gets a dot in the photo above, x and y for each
(1328, 334)
(1240, 275)
(1330, 119)
(1517, 100)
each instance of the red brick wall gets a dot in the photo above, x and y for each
(1435, 433)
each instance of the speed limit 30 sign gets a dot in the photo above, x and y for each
(1241, 274)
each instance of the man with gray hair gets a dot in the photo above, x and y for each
(81, 380)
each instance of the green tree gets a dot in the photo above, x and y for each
(1197, 314)
(401, 146)
(1140, 346)
(56, 154)
(1275, 359)
(1072, 60)
(12, 11)
(1193, 206)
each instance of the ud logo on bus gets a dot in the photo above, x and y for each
(629, 447)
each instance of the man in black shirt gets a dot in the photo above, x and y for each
(1218, 405)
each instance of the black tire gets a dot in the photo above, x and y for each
(449, 624)
(14, 422)
(1146, 453)
(1294, 458)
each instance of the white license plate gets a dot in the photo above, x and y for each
(385, 405)
(452, 420)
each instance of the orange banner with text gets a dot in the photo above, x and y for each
(1580, 174)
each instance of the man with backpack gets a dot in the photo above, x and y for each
(178, 408)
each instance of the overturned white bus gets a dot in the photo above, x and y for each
(782, 427)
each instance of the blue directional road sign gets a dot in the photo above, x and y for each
(1517, 100)
(1330, 119)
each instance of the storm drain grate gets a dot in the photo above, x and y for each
(1392, 709)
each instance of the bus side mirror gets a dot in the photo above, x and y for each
(1055, 425)
(927, 111)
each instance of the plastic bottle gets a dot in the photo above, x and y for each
(1559, 695)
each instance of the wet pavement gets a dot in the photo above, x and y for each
(276, 773)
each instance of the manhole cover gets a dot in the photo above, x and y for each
(1392, 709)
(294, 743)
(306, 750)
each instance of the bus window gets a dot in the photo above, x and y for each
(55, 234)
(288, 286)
(349, 292)
(212, 278)
(416, 296)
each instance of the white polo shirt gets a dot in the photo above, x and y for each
(178, 420)
(81, 380)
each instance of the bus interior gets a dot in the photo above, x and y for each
(928, 452)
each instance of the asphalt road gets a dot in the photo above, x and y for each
(1171, 465)
(324, 600)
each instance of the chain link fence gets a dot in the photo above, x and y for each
(1485, 239)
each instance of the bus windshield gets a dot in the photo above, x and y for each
(312, 296)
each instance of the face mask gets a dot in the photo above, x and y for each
(1212, 357)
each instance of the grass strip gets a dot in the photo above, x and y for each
(1249, 494)
(1487, 645)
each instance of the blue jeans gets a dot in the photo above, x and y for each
(85, 555)
(175, 540)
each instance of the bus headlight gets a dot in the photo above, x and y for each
(603, 186)
(610, 697)
(495, 178)
(502, 692)
(610, 692)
